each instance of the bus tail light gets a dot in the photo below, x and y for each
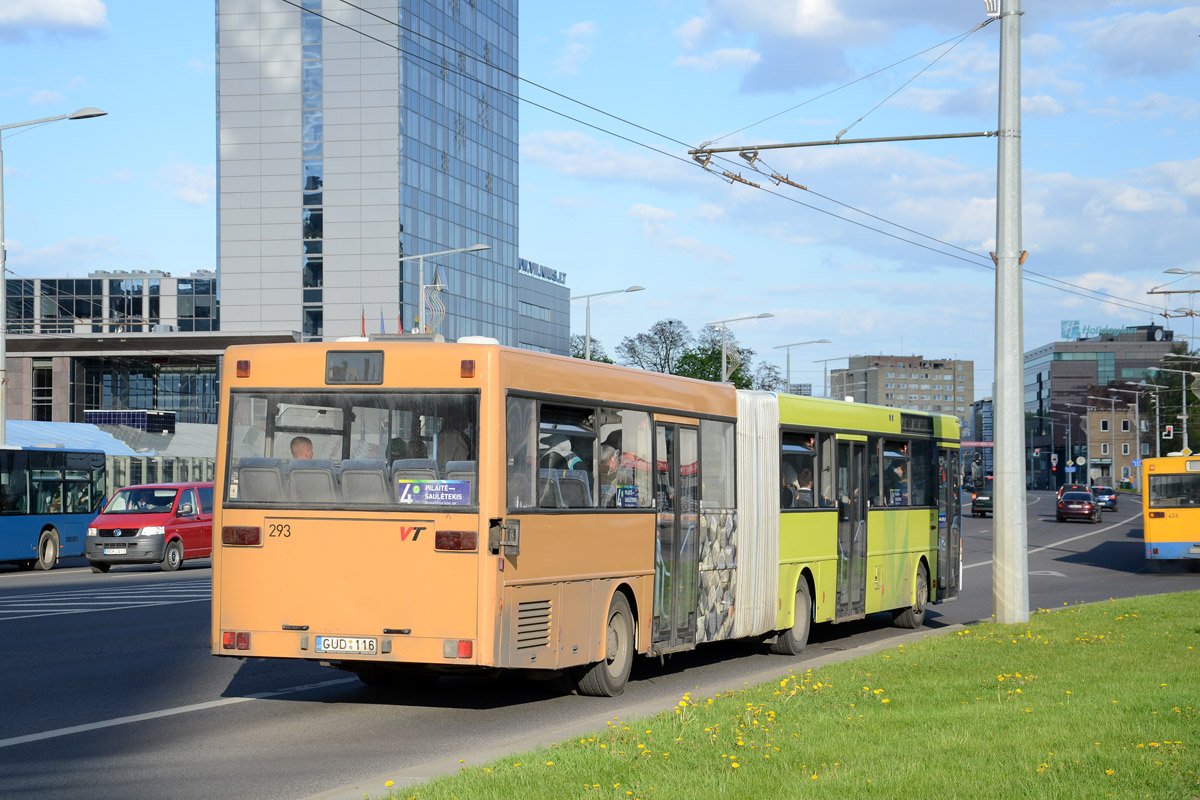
(243, 368)
(235, 640)
(241, 535)
(455, 540)
(1157, 514)
(457, 648)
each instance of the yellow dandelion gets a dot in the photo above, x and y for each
(389, 784)
(886, 700)
(1108, 772)
(735, 765)
(549, 763)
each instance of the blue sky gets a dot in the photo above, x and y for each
(1111, 172)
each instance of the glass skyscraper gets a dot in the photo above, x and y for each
(351, 137)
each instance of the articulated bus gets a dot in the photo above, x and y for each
(403, 509)
(1171, 508)
(48, 496)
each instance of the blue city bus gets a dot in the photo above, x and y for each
(48, 495)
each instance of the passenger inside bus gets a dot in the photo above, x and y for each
(453, 442)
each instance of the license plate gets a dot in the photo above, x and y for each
(114, 551)
(1194, 549)
(359, 645)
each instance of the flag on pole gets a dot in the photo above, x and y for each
(364, 322)
(381, 321)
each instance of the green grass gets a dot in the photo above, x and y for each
(1090, 701)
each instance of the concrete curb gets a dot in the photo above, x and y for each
(418, 773)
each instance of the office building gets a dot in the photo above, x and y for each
(1060, 377)
(352, 138)
(945, 386)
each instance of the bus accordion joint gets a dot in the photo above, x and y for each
(456, 540)
(241, 535)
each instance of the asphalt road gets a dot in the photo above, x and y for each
(108, 688)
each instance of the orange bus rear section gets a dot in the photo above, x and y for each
(536, 589)
(1171, 508)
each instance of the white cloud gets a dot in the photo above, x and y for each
(73, 256)
(693, 31)
(578, 48)
(729, 58)
(1144, 44)
(1041, 105)
(189, 183)
(710, 212)
(20, 18)
(45, 97)
(578, 155)
(655, 229)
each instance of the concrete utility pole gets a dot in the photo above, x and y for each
(1010, 560)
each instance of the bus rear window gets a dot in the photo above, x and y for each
(353, 450)
(1174, 491)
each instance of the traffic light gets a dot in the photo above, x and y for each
(1037, 451)
(1168, 431)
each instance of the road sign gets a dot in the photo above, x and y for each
(1137, 462)
(1054, 459)
(1069, 468)
(1081, 461)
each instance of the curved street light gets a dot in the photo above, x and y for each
(587, 337)
(83, 113)
(722, 323)
(789, 356)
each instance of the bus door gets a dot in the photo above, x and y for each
(949, 574)
(852, 491)
(676, 545)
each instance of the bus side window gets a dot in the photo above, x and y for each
(521, 452)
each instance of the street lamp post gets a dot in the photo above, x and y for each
(788, 348)
(1183, 394)
(1112, 430)
(83, 113)
(1051, 421)
(824, 362)
(1137, 425)
(587, 338)
(1070, 450)
(1157, 434)
(1087, 431)
(475, 248)
(722, 323)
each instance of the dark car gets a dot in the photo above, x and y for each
(981, 498)
(1078, 505)
(1072, 487)
(1106, 497)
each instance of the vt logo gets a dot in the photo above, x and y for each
(410, 530)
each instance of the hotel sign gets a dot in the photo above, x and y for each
(1071, 329)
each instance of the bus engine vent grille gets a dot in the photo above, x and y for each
(533, 624)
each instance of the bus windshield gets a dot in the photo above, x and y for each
(353, 449)
(1174, 491)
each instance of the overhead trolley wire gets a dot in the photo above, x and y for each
(978, 259)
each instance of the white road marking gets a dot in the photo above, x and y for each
(108, 598)
(1063, 541)
(166, 712)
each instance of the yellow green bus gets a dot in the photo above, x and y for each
(404, 509)
(1171, 508)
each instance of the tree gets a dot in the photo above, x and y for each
(579, 348)
(703, 360)
(769, 378)
(658, 349)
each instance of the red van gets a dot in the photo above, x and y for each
(162, 523)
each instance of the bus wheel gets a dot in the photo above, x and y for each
(793, 641)
(101, 566)
(173, 556)
(47, 550)
(914, 617)
(607, 678)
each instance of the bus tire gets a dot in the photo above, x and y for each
(793, 641)
(47, 550)
(101, 566)
(607, 678)
(914, 616)
(172, 557)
